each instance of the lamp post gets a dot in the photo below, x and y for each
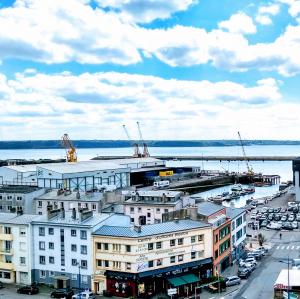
(79, 280)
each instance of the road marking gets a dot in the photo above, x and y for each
(282, 247)
(292, 247)
(287, 247)
(278, 247)
(298, 247)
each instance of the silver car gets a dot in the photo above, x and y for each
(232, 281)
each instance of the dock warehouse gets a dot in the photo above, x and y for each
(83, 176)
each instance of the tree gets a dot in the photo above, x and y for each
(261, 239)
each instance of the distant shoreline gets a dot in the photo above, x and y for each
(55, 144)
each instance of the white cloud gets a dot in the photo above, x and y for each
(273, 10)
(263, 20)
(145, 11)
(87, 104)
(294, 6)
(239, 23)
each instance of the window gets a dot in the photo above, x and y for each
(22, 260)
(51, 231)
(159, 262)
(200, 238)
(22, 231)
(42, 245)
(150, 246)
(51, 259)
(51, 245)
(158, 245)
(51, 273)
(94, 207)
(193, 239)
(233, 239)
(98, 246)
(239, 234)
(148, 215)
(139, 210)
(41, 231)
(180, 258)
(106, 264)
(40, 203)
(42, 260)
(166, 210)
(74, 277)
(150, 264)
(128, 248)
(128, 266)
(117, 247)
(84, 278)
(132, 219)
(19, 197)
(158, 210)
(216, 238)
(99, 263)
(73, 232)
(105, 246)
(224, 246)
(216, 254)
(172, 259)
(9, 197)
(83, 235)
(233, 225)
(73, 247)
(239, 221)
(116, 265)
(224, 232)
(83, 249)
(193, 254)
(180, 241)
(131, 210)
(83, 264)
(74, 262)
(42, 273)
(172, 243)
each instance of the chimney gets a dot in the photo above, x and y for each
(52, 213)
(77, 195)
(85, 214)
(20, 212)
(138, 228)
(192, 212)
(74, 213)
(164, 197)
(176, 220)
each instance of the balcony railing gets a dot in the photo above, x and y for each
(6, 237)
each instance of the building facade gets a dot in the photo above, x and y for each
(238, 231)
(68, 200)
(146, 260)
(18, 175)
(16, 248)
(62, 247)
(296, 177)
(147, 207)
(15, 198)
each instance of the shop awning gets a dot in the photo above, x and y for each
(61, 277)
(182, 280)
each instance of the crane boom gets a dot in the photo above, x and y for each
(71, 155)
(136, 150)
(249, 169)
(145, 150)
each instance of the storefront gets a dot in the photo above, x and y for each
(183, 277)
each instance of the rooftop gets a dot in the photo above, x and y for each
(18, 189)
(13, 218)
(150, 230)
(136, 160)
(82, 166)
(84, 196)
(293, 278)
(209, 208)
(234, 212)
(154, 193)
(24, 168)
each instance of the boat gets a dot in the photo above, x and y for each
(249, 190)
(237, 187)
(234, 195)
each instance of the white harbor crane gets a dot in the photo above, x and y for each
(136, 150)
(145, 147)
(249, 168)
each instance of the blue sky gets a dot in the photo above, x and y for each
(186, 69)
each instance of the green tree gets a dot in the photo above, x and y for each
(261, 239)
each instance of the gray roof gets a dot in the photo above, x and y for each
(53, 195)
(12, 218)
(22, 189)
(209, 208)
(154, 193)
(150, 230)
(234, 212)
(113, 208)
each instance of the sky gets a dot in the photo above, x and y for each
(185, 69)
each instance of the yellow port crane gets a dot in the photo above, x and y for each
(145, 150)
(136, 149)
(71, 155)
(250, 171)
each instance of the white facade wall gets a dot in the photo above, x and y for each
(297, 185)
(14, 176)
(238, 232)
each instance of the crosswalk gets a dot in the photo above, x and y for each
(287, 247)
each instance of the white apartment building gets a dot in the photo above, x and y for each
(68, 200)
(16, 248)
(18, 198)
(62, 246)
(147, 207)
(238, 230)
(144, 260)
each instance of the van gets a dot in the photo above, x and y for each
(161, 184)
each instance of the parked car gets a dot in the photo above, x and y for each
(284, 218)
(255, 254)
(295, 210)
(292, 204)
(249, 266)
(232, 281)
(251, 259)
(283, 210)
(62, 293)
(84, 295)
(1, 285)
(277, 209)
(287, 226)
(243, 272)
(294, 224)
(270, 210)
(271, 216)
(263, 249)
(277, 217)
(29, 290)
(264, 210)
(291, 218)
(264, 223)
(298, 217)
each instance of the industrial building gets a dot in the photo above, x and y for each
(18, 174)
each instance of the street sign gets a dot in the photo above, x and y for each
(292, 295)
(172, 292)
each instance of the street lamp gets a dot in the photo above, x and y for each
(79, 279)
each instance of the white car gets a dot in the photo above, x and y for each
(251, 260)
(84, 295)
(232, 280)
(292, 204)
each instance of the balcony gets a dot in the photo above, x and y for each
(6, 266)
(6, 237)
(6, 251)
